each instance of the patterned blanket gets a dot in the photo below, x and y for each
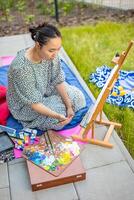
(123, 92)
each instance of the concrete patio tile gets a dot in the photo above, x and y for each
(10, 45)
(3, 176)
(18, 160)
(21, 188)
(124, 151)
(95, 156)
(66, 192)
(111, 182)
(19, 182)
(28, 40)
(4, 194)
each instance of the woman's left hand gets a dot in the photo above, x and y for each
(70, 112)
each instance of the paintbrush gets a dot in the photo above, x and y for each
(49, 140)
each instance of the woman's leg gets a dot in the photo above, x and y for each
(42, 122)
(56, 104)
(76, 96)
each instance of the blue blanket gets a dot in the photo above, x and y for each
(70, 78)
(123, 92)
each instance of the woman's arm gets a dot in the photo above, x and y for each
(42, 109)
(62, 91)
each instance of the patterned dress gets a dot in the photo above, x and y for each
(33, 83)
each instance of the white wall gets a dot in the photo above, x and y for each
(121, 4)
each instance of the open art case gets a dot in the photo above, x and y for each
(40, 179)
(54, 153)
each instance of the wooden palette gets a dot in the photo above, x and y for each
(54, 153)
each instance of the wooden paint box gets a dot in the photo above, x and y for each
(40, 179)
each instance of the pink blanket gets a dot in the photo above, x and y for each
(65, 133)
(6, 60)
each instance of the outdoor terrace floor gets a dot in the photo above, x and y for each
(110, 172)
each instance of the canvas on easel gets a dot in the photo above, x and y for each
(91, 117)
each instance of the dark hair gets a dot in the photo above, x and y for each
(43, 33)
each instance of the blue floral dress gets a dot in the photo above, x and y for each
(33, 83)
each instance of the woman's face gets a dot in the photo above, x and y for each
(50, 50)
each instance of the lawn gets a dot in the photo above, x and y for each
(94, 45)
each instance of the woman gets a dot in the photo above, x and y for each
(38, 95)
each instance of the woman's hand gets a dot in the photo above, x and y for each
(65, 122)
(61, 117)
(70, 112)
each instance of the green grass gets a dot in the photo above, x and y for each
(94, 45)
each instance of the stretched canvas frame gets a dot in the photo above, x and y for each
(97, 109)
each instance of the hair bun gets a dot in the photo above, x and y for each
(41, 25)
(33, 32)
(34, 29)
(43, 32)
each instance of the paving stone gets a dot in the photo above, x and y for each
(18, 160)
(124, 151)
(4, 194)
(3, 175)
(95, 156)
(10, 45)
(19, 182)
(21, 188)
(66, 192)
(28, 40)
(111, 182)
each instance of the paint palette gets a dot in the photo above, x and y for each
(54, 153)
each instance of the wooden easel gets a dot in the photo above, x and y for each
(98, 107)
